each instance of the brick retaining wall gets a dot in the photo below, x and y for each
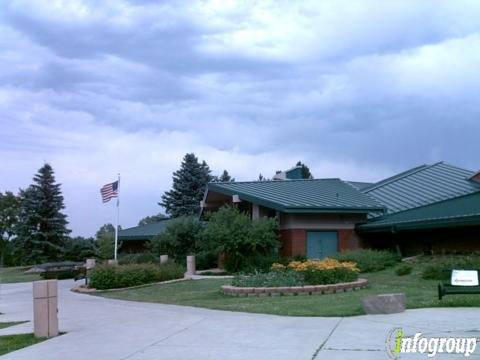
(294, 290)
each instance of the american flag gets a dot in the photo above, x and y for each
(109, 191)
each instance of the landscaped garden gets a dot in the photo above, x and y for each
(416, 282)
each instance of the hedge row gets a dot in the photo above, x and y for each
(113, 277)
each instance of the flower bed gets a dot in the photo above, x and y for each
(298, 277)
(326, 271)
(294, 290)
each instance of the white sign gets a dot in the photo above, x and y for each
(465, 277)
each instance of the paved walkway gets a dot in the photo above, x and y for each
(104, 329)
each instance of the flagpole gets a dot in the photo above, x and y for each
(118, 218)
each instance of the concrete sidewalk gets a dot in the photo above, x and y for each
(103, 329)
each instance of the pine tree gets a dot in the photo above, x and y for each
(151, 219)
(42, 227)
(225, 177)
(306, 174)
(189, 183)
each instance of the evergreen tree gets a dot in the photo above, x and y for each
(42, 227)
(306, 174)
(225, 177)
(79, 248)
(151, 219)
(189, 183)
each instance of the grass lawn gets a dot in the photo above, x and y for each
(16, 274)
(206, 293)
(4, 325)
(9, 343)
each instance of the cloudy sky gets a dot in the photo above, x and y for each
(355, 89)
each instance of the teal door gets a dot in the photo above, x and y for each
(321, 244)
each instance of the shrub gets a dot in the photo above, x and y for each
(138, 258)
(326, 271)
(434, 266)
(270, 279)
(244, 241)
(111, 277)
(403, 269)
(251, 264)
(181, 237)
(368, 260)
(434, 272)
(206, 260)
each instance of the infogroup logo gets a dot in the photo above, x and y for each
(397, 343)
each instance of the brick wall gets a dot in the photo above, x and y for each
(294, 242)
(348, 239)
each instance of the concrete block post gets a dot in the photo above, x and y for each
(45, 308)
(163, 259)
(191, 265)
(90, 263)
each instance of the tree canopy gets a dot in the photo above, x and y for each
(151, 219)
(306, 174)
(224, 177)
(189, 183)
(42, 227)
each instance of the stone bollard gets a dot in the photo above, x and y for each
(112, 262)
(90, 263)
(384, 304)
(163, 259)
(45, 308)
(191, 265)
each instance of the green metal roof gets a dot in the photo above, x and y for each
(316, 195)
(144, 232)
(421, 186)
(360, 185)
(460, 211)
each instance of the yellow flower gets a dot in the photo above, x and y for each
(325, 264)
(277, 266)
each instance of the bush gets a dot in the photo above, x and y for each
(181, 237)
(245, 242)
(368, 260)
(434, 272)
(403, 269)
(111, 277)
(434, 266)
(206, 260)
(270, 279)
(138, 258)
(251, 264)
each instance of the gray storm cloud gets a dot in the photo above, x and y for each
(356, 90)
